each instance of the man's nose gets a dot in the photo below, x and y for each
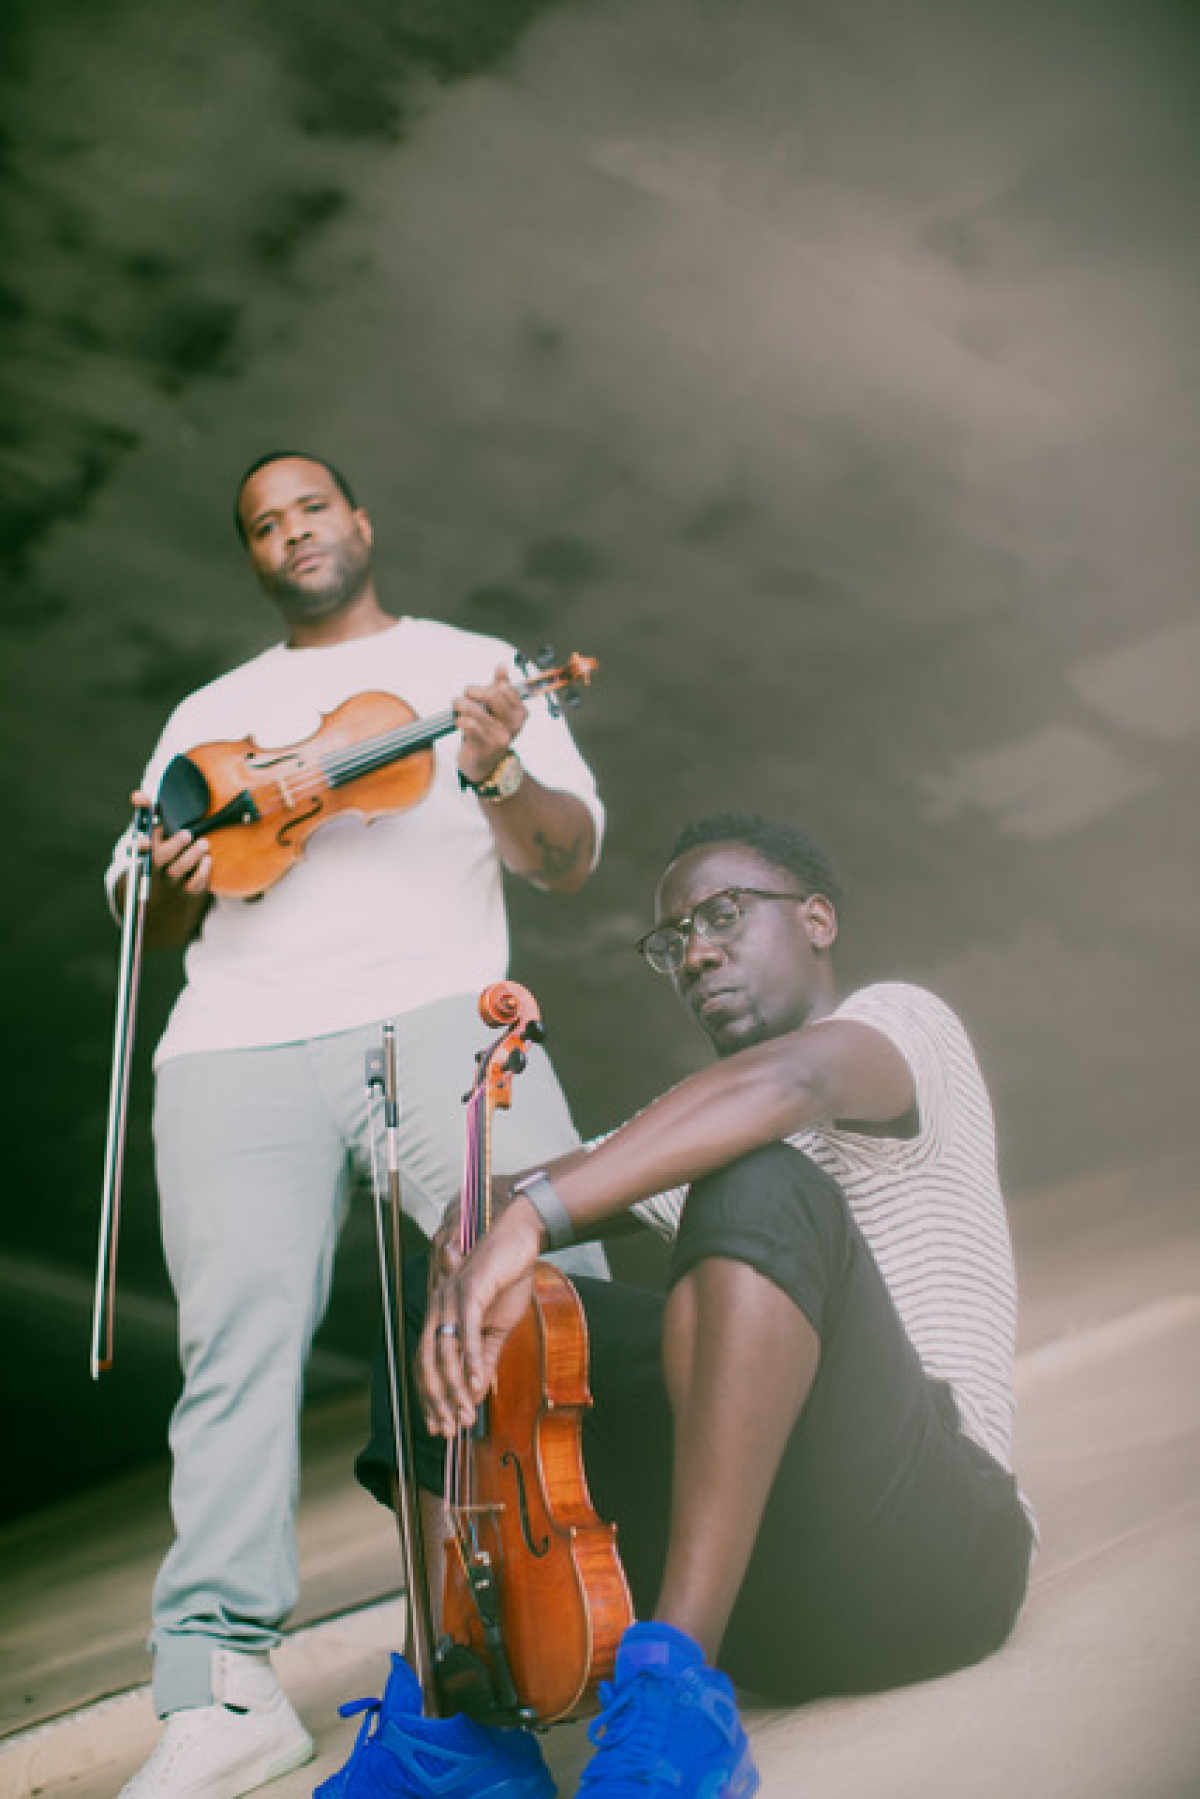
(297, 526)
(699, 951)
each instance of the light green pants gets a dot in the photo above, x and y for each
(255, 1150)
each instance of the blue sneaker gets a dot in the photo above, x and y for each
(668, 1725)
(400, 1754)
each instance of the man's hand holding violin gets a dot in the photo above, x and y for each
(474, 1302)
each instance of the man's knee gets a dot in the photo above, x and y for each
(776, 1210)
(773, 1189)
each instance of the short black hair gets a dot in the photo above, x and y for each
(785, 846)
(343, 486)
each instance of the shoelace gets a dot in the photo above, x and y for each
(372, 1709)
(629, 1734)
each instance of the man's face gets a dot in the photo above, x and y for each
(766, 976)
(309, 548)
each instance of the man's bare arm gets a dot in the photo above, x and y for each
(543, 834)
(837, 1068)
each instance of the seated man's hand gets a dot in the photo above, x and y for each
(473, 1305)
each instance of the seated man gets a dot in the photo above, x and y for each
(805, 1442)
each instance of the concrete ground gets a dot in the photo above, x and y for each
(1095, 1695)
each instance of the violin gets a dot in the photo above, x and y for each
(534, 1598)
(371, 755)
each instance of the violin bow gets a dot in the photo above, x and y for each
(132, 931)
(381, 1075)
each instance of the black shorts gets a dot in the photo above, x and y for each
(893, 1548)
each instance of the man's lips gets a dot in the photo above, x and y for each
(712, 999)
(304, 560)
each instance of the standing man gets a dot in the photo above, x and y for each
(260, 1101)
(806, 1442)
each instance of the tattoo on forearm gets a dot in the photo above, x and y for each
(558, 859)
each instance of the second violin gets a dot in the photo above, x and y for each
(535, 1599)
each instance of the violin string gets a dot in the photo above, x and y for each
(390, 745)
(458, 1494)
(376, 752)
(340, 767)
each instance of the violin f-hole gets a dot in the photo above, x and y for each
(509, 1460)
(294, 822)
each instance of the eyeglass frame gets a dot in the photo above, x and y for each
(688, 926)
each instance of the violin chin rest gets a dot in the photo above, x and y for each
(183, 796)
(464, 1684)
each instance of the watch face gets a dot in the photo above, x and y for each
(507, 777)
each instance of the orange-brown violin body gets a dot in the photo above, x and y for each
(564, 1598)
(294, 790)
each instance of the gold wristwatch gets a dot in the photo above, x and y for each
(503, 781)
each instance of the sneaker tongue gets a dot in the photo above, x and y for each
(403, 1691)
(656, 1649)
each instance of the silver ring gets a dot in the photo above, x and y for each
(446, 1330)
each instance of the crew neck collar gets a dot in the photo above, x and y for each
(345, 645)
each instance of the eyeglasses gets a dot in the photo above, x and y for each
(716, 919)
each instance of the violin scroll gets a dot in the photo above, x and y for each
(511, 1008)
(507, 1003)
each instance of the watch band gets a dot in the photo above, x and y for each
(503, 781)
(539, 1191)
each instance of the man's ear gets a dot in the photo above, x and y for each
(365, 525)
(821, 921)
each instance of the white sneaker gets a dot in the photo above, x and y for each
(248, 1736)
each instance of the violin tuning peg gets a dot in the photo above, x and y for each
(529, 664)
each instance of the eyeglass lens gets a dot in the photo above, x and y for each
(715, 917)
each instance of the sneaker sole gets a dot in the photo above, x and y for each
(741, 1783)
(272, 1768)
